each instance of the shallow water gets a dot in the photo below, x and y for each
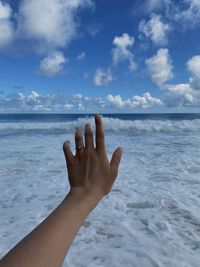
(152, 215)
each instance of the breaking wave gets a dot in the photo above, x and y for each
(110, 124)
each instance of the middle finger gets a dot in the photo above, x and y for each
(89, 143)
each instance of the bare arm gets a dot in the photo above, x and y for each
(91, 176)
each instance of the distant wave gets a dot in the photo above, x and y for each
(110, 124)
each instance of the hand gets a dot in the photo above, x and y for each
(89, 171)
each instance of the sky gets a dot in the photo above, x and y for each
(88, 56)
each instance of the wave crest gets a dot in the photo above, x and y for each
(110, 124)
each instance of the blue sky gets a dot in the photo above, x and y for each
(99, 56)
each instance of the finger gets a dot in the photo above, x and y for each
(79, 143)
(116, 157)
(89, 143)
(100, 142)
(67, 151)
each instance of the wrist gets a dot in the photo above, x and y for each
(89, 200)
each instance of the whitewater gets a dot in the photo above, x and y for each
(152, 215)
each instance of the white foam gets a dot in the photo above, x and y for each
(110, 124)
(151, 218)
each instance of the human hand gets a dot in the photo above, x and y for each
(89, 171)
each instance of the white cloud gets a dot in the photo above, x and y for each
(185, 12)
(144, 101)
(181, 88)
(81, 56)
(181, 95)
(52, 64)
(117, 101)
(77, 96)
(159, 67)
(185, 94)
(103, 77)
(189, 13)
(193, 66)
(155, 29)
(121, 52)
(5, 10)
(68, 106)
(52, 23)
(35, 102)
(6, 26)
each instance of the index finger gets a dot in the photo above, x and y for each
(100, 142)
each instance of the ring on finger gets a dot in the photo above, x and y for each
(79, 147)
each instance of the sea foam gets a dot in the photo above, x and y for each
(150, 218)
(110, 124)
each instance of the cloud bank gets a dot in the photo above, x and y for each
(145, 101)
(35, 102)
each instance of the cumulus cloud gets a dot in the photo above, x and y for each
(188, 13)
(81, 56)
(121, 52)
(50, 22)
(102, 77)
(144, 101)
(155, 29)
(52, 64)
(185, 94)
(117, 101)
(35, 102)
(181, 95)
(6, 25)
(47, 26)
(193, 66)
(159, 67)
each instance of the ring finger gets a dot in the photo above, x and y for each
(79, 143)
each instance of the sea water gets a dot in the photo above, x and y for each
(152, 215)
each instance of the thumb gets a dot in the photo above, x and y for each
(116, 157)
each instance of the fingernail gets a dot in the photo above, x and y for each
(87, 126)
(78, 130)
(121, 149)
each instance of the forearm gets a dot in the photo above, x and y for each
(48, 244)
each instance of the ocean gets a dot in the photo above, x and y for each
(152, 215)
